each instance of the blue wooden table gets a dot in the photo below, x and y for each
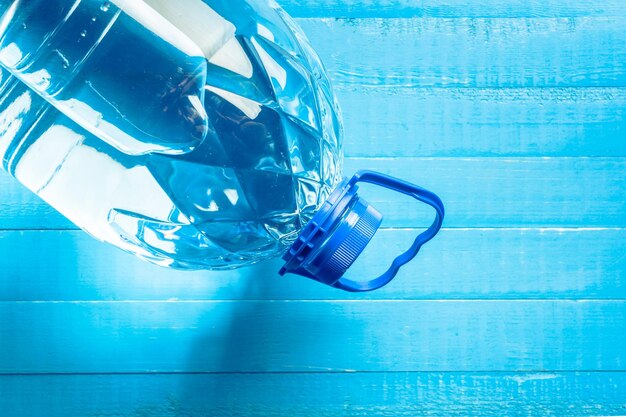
(513, 111)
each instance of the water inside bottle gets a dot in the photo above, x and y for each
(138, 84)
(209, 146)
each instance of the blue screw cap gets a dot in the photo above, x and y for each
(343, 227)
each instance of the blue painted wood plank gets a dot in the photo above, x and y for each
(478, 192)
(453, 8)
(458, 264)
(312, 336)
(315, 395)
(21, 209)
(427, 52)
(466, 122)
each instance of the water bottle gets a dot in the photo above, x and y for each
(195, 134)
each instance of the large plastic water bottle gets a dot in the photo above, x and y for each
(192, 133)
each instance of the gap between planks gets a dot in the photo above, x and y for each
(328, 301)
(315, 372)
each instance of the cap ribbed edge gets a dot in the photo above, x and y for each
(367, 224)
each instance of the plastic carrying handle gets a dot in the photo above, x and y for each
(409, 189)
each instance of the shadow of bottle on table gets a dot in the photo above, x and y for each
(248, 347)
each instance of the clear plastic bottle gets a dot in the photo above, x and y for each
(192, 133)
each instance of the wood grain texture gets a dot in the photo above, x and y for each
(316, 394)
(459, 264)
(466, 122)
(453, 8)
(305, 336)
(472, 52)
(478, 192)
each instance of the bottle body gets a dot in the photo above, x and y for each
(206, 141)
